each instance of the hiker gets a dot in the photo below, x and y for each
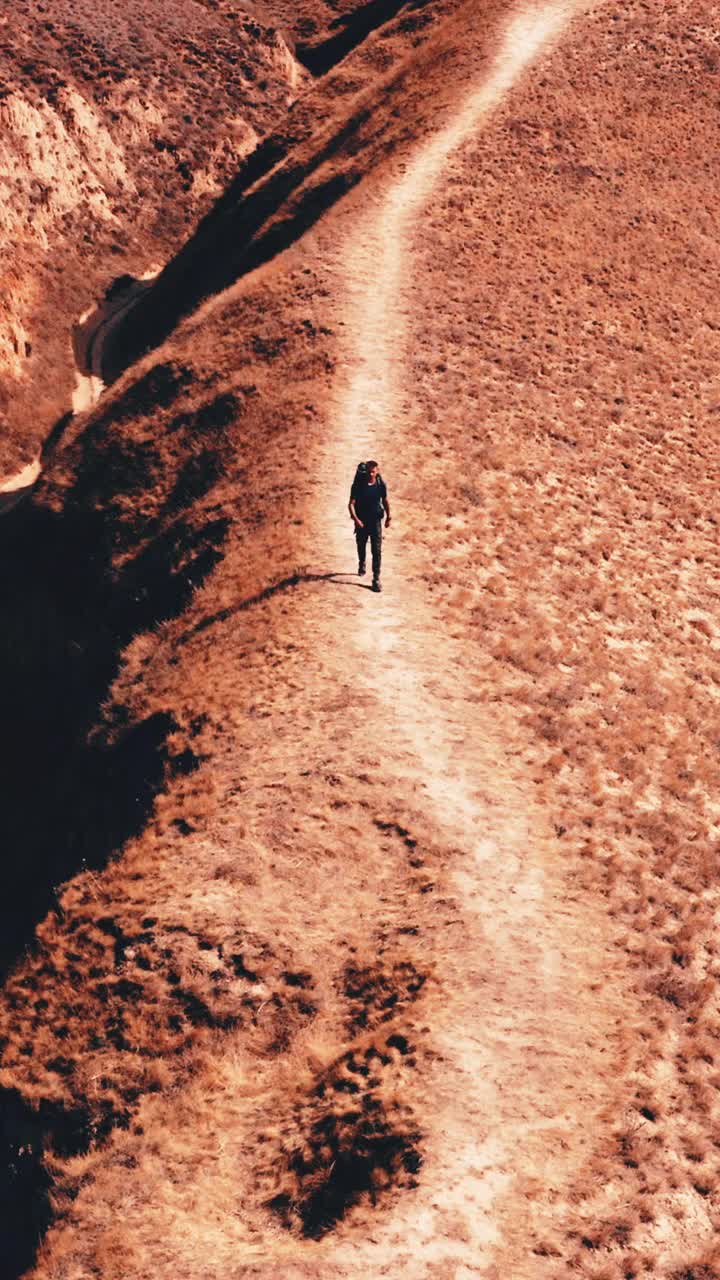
(367, 506)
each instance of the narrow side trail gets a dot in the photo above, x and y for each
(525, 1038)
(14, 488)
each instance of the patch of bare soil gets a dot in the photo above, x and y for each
(407, 964)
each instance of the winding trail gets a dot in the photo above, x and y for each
(512, 1042)
(91, 332)
(18, 486)
(378, 254)
(525, 1039)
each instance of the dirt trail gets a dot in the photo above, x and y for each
(22, 479)
(91, 332)
(377, 734)
(378, 252)
(522, 1033)
(16, 487)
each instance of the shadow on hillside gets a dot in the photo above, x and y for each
(281, 190)
(348, 31)
(232, 241)
(73, 796)
(275, 588)
(24, 1181)
(75, 792)
(76, 785)
(77, 585)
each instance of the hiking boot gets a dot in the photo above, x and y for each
(361, 571)
(376, 585)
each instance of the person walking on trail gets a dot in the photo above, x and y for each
(368, 505)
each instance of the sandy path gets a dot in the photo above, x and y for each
(16, 487)
(91, 332)
(516, 1041)
(378, 253)
(521, 1030)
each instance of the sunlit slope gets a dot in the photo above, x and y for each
(369, 106)
(195, 465)
(120, 125)
(567, 393)
(207, 1016)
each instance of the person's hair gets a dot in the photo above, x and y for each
(369, 465)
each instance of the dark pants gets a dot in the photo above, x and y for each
(373, 531)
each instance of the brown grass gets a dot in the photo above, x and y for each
(118, 133)
(284, 914)
(574, 412)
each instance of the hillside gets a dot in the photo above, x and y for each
(386, 943)
(117, 134)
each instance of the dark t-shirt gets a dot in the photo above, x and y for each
(369, 499)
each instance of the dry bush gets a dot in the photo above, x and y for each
(348, 1138)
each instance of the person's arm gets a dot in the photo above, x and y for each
(386, 504)
(353, 514)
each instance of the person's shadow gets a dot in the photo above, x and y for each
(346, 580)
(284, 584)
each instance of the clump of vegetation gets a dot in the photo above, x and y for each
(349, 1140)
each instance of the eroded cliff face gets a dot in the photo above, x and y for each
(115, 136)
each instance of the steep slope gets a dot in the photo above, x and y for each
(409, 970)
(117, 133)
(324, 147)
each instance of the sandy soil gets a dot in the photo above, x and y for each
(21, 479)
(513, 1041)
(90, 334)
(17, 486)
(411, 967)
(516, 939)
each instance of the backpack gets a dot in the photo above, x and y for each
(361, 473)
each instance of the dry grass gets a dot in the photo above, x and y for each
(119, 142)
(242, 1006)
(183, 954)
(567, 385)
(117, 135)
